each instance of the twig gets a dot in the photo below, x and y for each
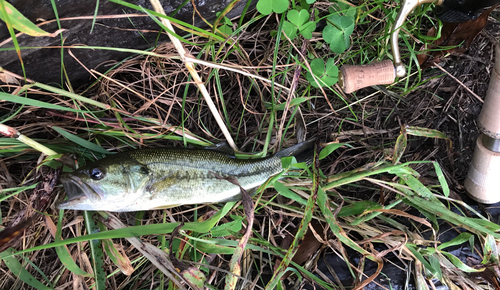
(229, 68)
(460, 83)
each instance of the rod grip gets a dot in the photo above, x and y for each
(355, 77)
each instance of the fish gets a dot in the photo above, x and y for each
(159, 178)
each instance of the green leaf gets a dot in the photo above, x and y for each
(301, 21)
(416, 253)
(287, 161)
(21, 23)
(226, 229)
(434, 261)
(442, 179)
(307, 29)
(327, 76)
(31, 102)
(81, 142)
(460, 239)
(286, 192)
(459, 264)
(122, 262)
(357, 208)
(225, 29)
(96, 253)
(290, 30)
(490, 250)
(344, 9)
(415, 185)
(329, 149)
(68, 262)
(194, 277)
(338, 31)
(18, 270)
(317, 66)
(267, 7)
(294, 102)
(298, 18)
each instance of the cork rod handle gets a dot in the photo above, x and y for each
(355, 77)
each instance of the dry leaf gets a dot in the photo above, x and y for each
(452, 34)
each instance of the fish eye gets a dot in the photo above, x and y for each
(97, 173)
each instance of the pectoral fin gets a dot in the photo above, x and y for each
(166, 206)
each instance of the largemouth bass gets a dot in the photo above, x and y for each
(157, 178)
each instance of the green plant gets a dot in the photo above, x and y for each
(267, 7)
(338, 32)
(298, 21)
(226, 27)
(327, 75)
(339, 27)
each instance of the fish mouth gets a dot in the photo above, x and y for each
(78, 192)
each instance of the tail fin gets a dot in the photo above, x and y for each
(303, 152)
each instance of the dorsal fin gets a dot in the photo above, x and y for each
(222, 147)
(303, 152)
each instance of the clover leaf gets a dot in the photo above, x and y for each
(338, 31)
(226, 27)
(290, 30)
(298, 20)
(343, 9)
(267, 7)
(327, 75)
(307, 29)
(298, 17)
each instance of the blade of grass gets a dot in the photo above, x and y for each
(63, 251)
(157, 257)
(135, 231)
(19, 271)
(4, 12)
(73, 96)
(121, 261)
(96, 252)
(82, 142)
(35, 103)
(21, 23)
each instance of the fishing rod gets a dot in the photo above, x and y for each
(355, 77)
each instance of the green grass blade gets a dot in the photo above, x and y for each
(35, 103)
(80, 141)
(21, 23)
(323, 203)
(442, 179)
(299, 236)
(96, 253)
(63, 252)
(135, 231)
(286, 192)
(19, 271)
(200, 31)
(73, 96)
